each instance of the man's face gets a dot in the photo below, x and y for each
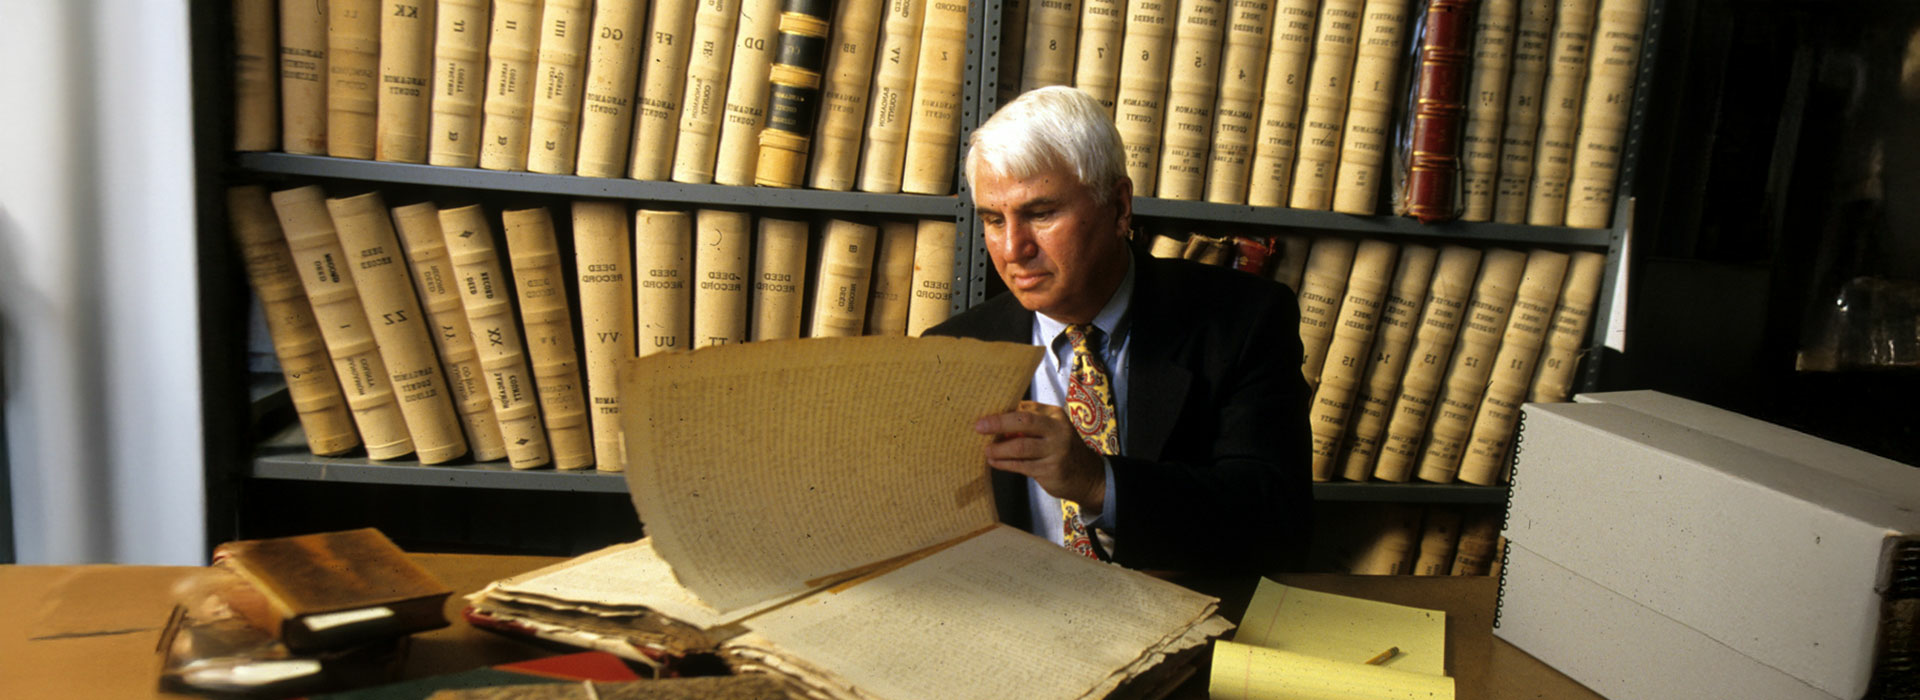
(1060, 253)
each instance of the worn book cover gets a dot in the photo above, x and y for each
(335, 589)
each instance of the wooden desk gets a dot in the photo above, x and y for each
(91, 631)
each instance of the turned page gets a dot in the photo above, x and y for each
(767, 468)
(617, 580)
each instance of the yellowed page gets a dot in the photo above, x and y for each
(822, 455)
(1248, 672)
(1044, 622)
(619, 579)
(1344, 628)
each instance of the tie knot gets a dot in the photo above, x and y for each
(1083, 336)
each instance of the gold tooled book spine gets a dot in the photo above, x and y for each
(793, 103)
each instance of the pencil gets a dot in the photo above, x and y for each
(1382, 657)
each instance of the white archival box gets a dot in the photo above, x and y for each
(1659, 547)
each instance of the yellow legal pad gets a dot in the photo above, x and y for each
(1297, 644)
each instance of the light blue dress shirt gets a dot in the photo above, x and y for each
(1050, 380)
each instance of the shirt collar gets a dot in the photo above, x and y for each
(1111, 320)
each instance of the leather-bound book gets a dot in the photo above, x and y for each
(794, 102)
(333, 590)
(1432, 191)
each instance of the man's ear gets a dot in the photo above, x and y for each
(1123, 206)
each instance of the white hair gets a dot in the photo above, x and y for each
(1046, 128)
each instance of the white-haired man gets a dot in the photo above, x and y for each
(1167, 426)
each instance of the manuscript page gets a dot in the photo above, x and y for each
(764, 469)
(1046, 622)
(616, 581)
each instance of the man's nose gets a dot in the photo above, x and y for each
(1017, 242)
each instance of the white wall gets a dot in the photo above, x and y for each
(97, 282)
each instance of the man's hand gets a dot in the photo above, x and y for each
(1036, 440)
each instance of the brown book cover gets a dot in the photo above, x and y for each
(335, 589)
(1432, 161)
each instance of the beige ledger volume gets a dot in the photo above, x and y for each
(884, 149)
(326, 275)
(1051, 31)
(663, 268)
(256, 77)
(933, 134)
(1426, 362)
(604, 261)
(1289, 48)
(932, 275)
(721, 242)
(1370, 107)
(459, 77)
(512, 48)
(1554, 380)
(486, 296)
(1527, 327)
(534, 253)
(554, 136)
(1603, 118)
(1191, 89)
(353, 67)
(892, 279)
(1560, 113)
(297, 343)
(436, 283)
(656, 126)
(1473, 354)
(704, 97)
(840, 286)
(393, 312)
(1321, 287)
(1318, 152)
(1493, 39)
(406, 76)
(738, 153)
(1399, 319)
(843, 96)
(1347, 353)
(1146, 50)
(1243, 65)
(303, 77)
(608, 98)
(779, 279)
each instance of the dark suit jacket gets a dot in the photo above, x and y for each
(1217, 474)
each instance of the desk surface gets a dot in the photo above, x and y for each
(91, 631)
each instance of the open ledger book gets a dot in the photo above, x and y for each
(820, 510)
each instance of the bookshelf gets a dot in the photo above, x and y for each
(265, 451)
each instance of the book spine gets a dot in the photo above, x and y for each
(1481, 457)
(1243, 64)
(1210, 250)
(541, 288)
(1096, 68)
(1146, 55)
(418, 226)
(1387, 548)
(1336, 39)
(1051, 31)
(1289, 261)
(1473, 355)
(1289, 46)
(485, 294)
(553, 139)
(607, 97)
(1427, 362)
(933, 133)
(1399, 319)
(722, 241)
(1493, 45)
(326, 276)
(1438, 537)
(840, 292)
(1359, 316)
(793, 100)
(1603, 118)
(459, 73)
(512, 46)
(663, 265)
(884, 148)
(604, 260)
(892, 279)
(1376, 69)
(1479, 541)
(406, 78)
(1322, 286)
(656, 126)
(933, 255)
(303, 77)
(1192, 86)
(393, 313)
(256, 79)
(746, 111)
(353, 83)
(1529, 74)
(843, 96)
(1433, 162)
(297, 342)
(1560, 112)
(1554, 380)
(779, 279)
(1165, 246)
(703, 99)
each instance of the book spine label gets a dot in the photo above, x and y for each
(746, 110)
(486, 295)
(544, 314)
(433, 280)
(1433, 159)
(256, 76)
(406, 79)
(553, 139)
(327, 278)
(607, 97)
(353, 67)
(656, 127)
(884, 149)
(1376, 69)
(303, 77)
(1290, 45)
(793, 103)
(459, 74)
(779, 279)
(297, 343)
(843, 96)
(704, 99)
(663, 268)
(933, 256)
(604, 260)
(512, 47)
(721, 244)
(393, 312)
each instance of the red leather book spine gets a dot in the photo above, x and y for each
(1444, 58)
